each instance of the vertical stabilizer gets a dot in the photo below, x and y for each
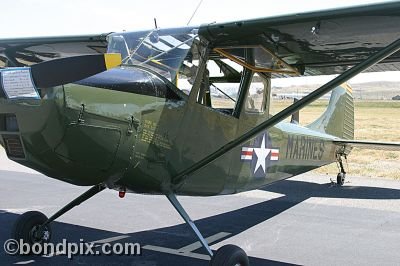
(338, 119)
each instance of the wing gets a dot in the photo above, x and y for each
(28, 51)
(317, 43)
(387, 146)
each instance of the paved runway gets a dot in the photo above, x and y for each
(301, 221)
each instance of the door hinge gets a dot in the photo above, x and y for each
(80, 116)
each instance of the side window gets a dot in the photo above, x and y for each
(221, 85)
(256, 100)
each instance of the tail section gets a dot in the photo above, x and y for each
(338, 119)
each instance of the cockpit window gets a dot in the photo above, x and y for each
(170, 52)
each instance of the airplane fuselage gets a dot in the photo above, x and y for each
(138, 141)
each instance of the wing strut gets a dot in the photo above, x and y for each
(345, 76)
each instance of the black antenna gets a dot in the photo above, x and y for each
(194, 13)
(155, 23)
(153, 35)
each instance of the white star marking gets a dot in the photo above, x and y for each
(262, 154)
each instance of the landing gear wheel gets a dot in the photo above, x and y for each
(27, 228)
(341, 177)
(229, 255)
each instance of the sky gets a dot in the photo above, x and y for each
(26, 18)
(23, 18)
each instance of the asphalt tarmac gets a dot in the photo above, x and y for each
(299, 221)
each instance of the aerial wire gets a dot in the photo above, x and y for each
(194, 13)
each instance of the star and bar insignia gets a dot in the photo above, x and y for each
(261, 155)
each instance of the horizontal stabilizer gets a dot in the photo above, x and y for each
(373, 145)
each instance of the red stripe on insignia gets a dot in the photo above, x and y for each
(247, 153)
(274, 153)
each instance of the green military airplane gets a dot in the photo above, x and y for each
(186, 111)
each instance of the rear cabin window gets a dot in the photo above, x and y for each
(256, 100)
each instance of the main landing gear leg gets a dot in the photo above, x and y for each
(34, 227)
(341, 177)
(228, 255)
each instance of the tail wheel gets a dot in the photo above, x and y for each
(230, 255)
(341, 177)
(28, 228)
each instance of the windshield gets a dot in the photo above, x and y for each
(163, 51)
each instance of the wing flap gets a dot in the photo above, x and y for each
(386, 146)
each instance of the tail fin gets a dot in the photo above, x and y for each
(338, 119)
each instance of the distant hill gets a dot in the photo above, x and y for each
(377, 90)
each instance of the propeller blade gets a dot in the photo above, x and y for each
(70, 69)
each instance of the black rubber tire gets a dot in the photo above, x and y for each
(340, 179)
(229, 255)
(25, 225)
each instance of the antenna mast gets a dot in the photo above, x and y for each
(155, 24)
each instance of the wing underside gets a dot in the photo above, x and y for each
(317, 43)
(29, 51)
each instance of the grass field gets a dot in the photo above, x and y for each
(374, 120)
